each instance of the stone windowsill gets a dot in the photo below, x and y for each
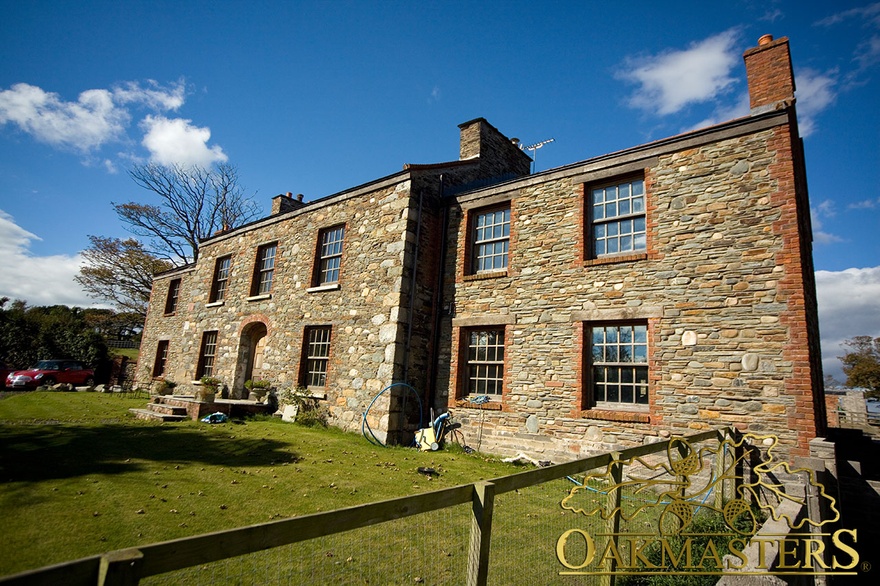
(215, 304)
(259, 297)
(610, 415)
(605, 260)
(322, 288)
(486, 276)
(490, 406)
(171, 314)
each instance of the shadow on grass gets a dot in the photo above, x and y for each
(34, 453)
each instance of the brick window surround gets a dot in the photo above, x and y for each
(161, 358)
(616, 217)
(207, 353)
(481, 362)
(328, 258)
(316, 356)
(616, 363)
(489, 239)
(221, 279)
(173, 295)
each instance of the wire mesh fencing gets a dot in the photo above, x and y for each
(428, 548)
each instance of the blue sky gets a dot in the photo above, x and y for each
(316, 97)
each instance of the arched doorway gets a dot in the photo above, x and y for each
(249, 365)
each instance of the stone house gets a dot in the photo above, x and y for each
(611, 302)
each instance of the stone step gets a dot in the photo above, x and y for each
(175, 400)
(166, 409)
(155, 416)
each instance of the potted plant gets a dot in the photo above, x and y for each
(207, 389)
(258, 387)
(165, 387)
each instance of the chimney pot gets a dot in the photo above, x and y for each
(289, 194)
(299, 197)
(765, 40)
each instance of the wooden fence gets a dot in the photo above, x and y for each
(129, 566)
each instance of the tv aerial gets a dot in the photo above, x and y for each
(534, 148)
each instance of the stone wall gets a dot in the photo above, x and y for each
(724, 286)
(382, 311)
(718, 287)
(363, 309)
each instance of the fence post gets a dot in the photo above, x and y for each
(738, 457)
(720, 468)
(616, 469)
(120, 568)
(481, 532)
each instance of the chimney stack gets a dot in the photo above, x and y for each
(285, 203)
(770, 76)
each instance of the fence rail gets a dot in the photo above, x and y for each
(129, 566)
(123, 344)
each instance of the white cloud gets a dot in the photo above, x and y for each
(815, 92)
(868, 14)
(867, 52)
(102, 116)
(825, 209)
(672, 80)
(177, 141)
(154, 96)
(724, 113)
(39, 280)
(866, 204)
(849, 305)
(772, 15)
(82, 125)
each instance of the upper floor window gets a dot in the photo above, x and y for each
(173, 294)
(617, 217)
(221, 279)
(619, 363)
(264, 269)
(207, 353)
(161, 358)
(316, 356)
(491, 240)
(484, 362)
(329, 255)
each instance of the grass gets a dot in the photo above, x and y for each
(130, 353)
(79, 476)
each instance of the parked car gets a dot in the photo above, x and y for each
(49, 372)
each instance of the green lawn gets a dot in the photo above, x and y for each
(79, 476)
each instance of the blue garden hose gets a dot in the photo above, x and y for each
(365, 427)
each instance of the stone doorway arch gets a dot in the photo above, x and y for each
(249, 365)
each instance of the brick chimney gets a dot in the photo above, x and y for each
(285, 203)
(769, 74)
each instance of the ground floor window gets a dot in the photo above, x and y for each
(161, 358)
(316, 355)
(619, 363)
(484, 359)
(206, 355)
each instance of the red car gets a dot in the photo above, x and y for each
(49, 372)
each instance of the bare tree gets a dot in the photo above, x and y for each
(194, 203)
(120, 271)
